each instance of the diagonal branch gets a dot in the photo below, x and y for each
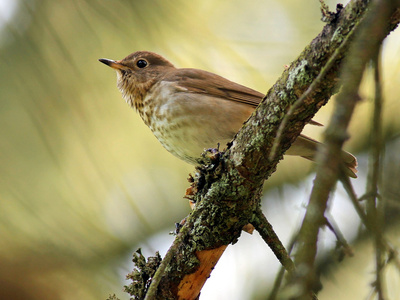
(228, 186)
(266, 231)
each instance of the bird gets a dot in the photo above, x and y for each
(190, 110)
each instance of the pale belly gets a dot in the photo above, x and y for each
(187, 125)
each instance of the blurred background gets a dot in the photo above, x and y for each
(83, 182)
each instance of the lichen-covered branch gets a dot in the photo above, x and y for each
(227, 187)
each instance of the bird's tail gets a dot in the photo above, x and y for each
(307, 148)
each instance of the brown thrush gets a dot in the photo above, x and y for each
(189, 110)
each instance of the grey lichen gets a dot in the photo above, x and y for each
(299, 73)
(337, 35)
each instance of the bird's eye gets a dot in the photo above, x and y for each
(141, 63)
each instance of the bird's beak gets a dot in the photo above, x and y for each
(111, 63)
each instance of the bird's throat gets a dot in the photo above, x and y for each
(134, 92)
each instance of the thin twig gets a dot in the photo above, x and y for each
(374, 209)
(279, 276)
(339, 236)
(392, 252)
(268, 234)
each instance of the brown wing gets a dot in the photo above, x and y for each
(193, 80)
(203, 82)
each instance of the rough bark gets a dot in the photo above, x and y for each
(227, 188)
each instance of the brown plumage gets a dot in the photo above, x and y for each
(190, 110)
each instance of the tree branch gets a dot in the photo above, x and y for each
(228, 186)
(267, 233)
